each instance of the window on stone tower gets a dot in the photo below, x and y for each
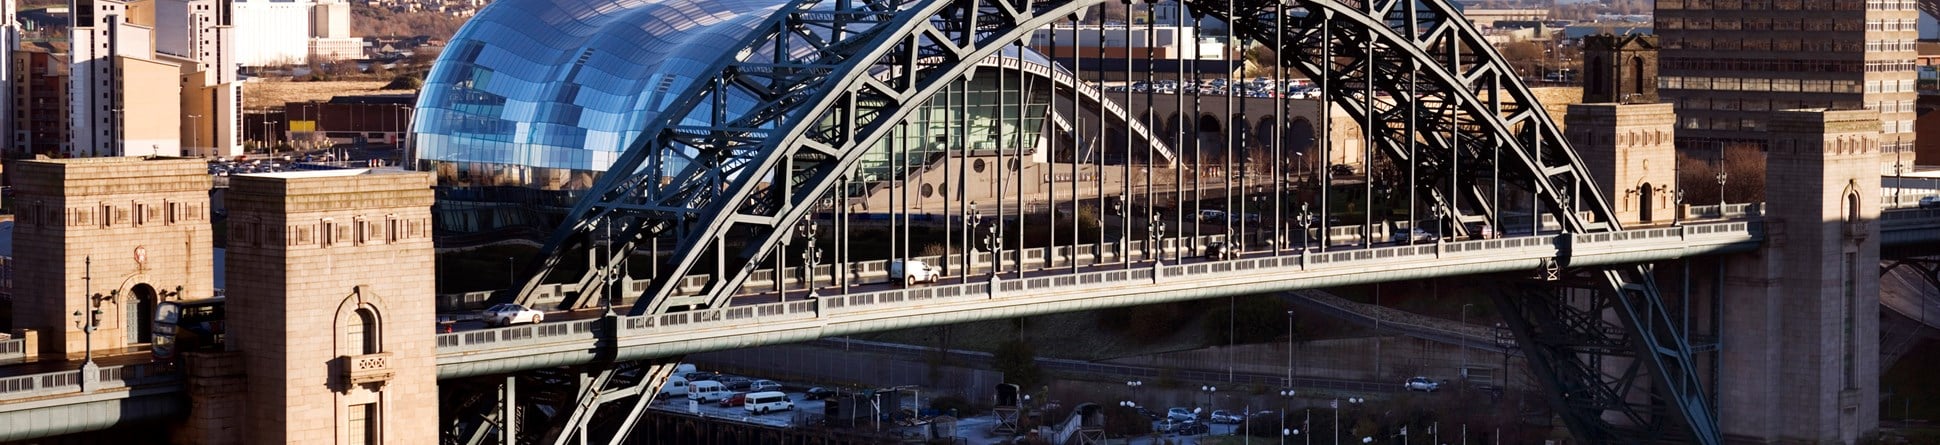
(364, 424)
(361, 334)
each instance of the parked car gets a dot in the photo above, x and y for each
(1149, 414)
(505, 314)
(764, 385)
(1179, 414)
(818, 393)
(1223, 416)
(737, 399)
(1419, 383)
(738, 383)
(915, 272)
(1185, 427)
(1928, 202)
(702, 375)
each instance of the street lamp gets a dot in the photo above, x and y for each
(1677, 207)
(1899, 171)
(195, 133)
(1134, 384)
(1286, 396)
(1721, 181)
(1465, 344)
(810, 255)
(1209, 390)
(1350, 400)
(1306, 220)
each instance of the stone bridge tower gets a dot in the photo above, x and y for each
(117, 235)
(1800, 325)
(333, 272)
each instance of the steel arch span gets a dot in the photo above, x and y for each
(786, 118)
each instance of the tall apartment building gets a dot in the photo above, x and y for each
(1729, 65)
(152, 77)
(39, 116)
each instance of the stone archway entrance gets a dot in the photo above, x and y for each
(144, 319)
(1644, 204)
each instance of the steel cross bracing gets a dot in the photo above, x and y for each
(1423, 56)
(828, 81)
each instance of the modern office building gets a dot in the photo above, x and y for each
(1728, 66)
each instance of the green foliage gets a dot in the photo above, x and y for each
(1018, 361)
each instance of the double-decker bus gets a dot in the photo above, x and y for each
(187, 325)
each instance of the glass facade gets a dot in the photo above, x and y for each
(541, 93)
(546, 94)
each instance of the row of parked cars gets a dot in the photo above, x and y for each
(757, 396)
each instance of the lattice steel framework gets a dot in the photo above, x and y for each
(829, 79)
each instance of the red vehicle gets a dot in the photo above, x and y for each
(738, 399)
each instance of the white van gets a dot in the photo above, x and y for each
(707, 391)
(675, 386)
(765, 401)
(916, 272)
(684, 368)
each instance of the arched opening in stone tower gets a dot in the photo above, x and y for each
(144, 319)
(1645, 202)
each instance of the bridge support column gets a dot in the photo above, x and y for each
(331, 304)
(1800, 331)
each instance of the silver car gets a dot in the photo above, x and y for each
(505, 314)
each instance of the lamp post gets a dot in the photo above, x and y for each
(1440, 211)
(1124, 403)
(1209, 390)
(1134, 384)
(1350, 400)
(1465, 344)
(1306, 221)
(1677, 207)
(195, 133)
(810, 255)
(1899, 170)
(969, 248)
(1289, 348)
(1721, 181)
(1286, 397)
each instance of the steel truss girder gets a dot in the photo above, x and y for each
(824, 96)
(1390, 46)
(1569, 340)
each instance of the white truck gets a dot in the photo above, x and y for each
(913, 271)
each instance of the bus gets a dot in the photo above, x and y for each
(187, 325)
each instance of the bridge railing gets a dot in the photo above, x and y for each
(69, 381)
(811, 313)
(13, 349)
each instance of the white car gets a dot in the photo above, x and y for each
(915, 272)
(508, 314)
(1419, 383)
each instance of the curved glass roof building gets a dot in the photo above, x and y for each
(547, 94)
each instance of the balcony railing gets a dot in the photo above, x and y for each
(367, 368)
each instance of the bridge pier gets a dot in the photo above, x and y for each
(1800, 330)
